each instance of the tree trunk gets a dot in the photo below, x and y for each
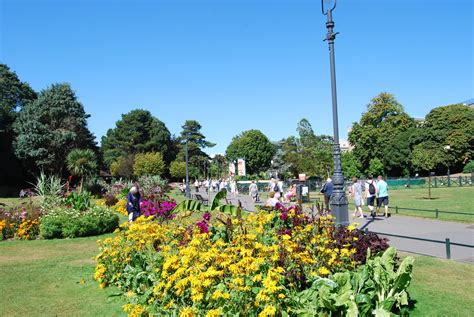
(429, 187)
(80, 185)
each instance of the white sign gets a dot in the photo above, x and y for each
(231, 169)
(241, 167)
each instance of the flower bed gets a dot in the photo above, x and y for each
(21, 222)
(264, 264)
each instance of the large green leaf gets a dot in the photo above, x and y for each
(229, 209)
(188, 205)
(217, 199)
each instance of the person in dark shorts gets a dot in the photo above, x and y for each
(371, 193)
(382, 195)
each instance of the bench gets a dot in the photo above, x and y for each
(201, 199)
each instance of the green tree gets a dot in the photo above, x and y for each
(48, 128)
(254, 147)
(14, 94)
(373, 135)
(350, 165)
(196, 142)
(178, 170)
(81, 163)
(469, 168)
(137, 132)
(123, 166)
(451, 126)
(426, 156)
(309, 153)
(148, 164)
(375, 167)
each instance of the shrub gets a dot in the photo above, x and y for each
(49, 189)
(71, 223)
(78, 201)
(469, 167)
(152, 185)
(151, 163)
(110, 200)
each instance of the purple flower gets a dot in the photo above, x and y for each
(206, 216)
(202, 225)
(284, 216)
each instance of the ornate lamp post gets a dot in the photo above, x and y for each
(338, 200)
(188, 194)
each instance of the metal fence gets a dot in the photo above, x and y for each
(435, 211)
(436, 181)
(447, 242)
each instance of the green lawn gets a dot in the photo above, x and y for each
(442, 287)
(53, 278)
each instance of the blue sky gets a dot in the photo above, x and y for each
(235, 65)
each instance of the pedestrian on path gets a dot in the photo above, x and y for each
(356, 193)
(382, 195)
(371, 194)
(253, 191)
(327, 191)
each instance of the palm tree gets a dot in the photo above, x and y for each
(81, 163)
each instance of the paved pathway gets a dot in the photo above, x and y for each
(412, 227)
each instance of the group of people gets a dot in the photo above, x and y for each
(213, 185)
(376, 193)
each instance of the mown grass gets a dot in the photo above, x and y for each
(442, 287)
(53, 278)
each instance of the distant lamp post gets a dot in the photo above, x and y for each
(187, 192)
(338, 200)
(447, 148)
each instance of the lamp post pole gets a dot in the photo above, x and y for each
(188, 194)
(338, 199)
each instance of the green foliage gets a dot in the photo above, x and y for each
(309, 154)
(375, 167)
(137, 132)
(376, 135)
(78, 201)
(350, 165)
(196, 206)
(148, 164)
(427, 155)
(152, 184)
(123, 166)
(14, 94)
(374, 289)
(451, 126)
(178, 169)
(49, 128)
(469, 167)
(72, 223)
(254, 147)
(48, 188)
(81, 163)
(196, 142)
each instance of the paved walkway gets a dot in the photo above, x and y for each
(408, 226)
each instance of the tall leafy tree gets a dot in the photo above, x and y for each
(255, 148)
(82, 163)
(48, 128)
(137, 132)
(426, 156)
(351, 166)
(372, 137)
(451, 126)
(308, 153)
(14, 94)
(196, 142)
(147, 164)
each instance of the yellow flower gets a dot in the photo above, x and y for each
(268, 311)
(213, 313)
(187, 312)
(324, 271)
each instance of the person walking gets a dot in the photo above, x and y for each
(382, 195)
(371, 194)
(356, 192)
(327, 191)
(253, 191)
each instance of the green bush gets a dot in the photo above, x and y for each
(469, 168)
(77, 201)
(72, 223)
